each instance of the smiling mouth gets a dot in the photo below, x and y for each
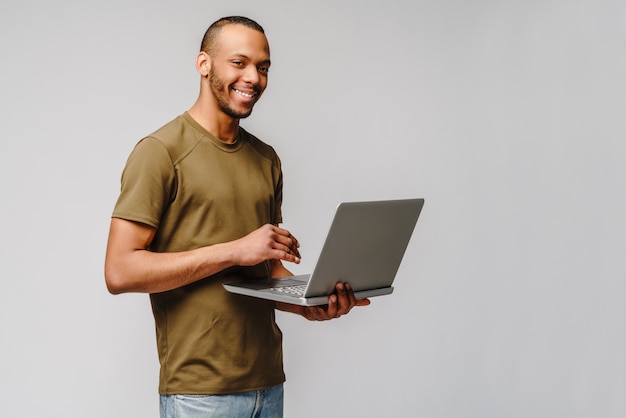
(244, 94)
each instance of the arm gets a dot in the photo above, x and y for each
(131, 267)
(339, 304)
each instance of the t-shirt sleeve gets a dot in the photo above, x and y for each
(278, 193)
(148, 184)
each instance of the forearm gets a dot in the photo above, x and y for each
(131, 267)
(288, 307)
(149, 272)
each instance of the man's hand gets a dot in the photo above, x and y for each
(269, 242)
(338, 304)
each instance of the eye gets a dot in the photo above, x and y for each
(264, 69)
(238, 63)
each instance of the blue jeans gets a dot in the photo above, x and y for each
(266, 403)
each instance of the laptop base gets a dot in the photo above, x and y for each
(267, 289)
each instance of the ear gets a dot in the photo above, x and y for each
(203, 63)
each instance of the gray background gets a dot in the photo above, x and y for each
(506, 116)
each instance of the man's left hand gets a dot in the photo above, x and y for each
(339, 304)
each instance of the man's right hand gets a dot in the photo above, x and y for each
(269, 242)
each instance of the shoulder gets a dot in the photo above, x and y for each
(177, 138)
(262, 148)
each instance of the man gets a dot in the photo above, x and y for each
(200, 204)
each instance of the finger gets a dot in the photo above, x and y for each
(284, 235)
(289, 242)
(294, 245)
(332, 308)
(345, 299)
(285, 255)
(320, 314)
(282, 247)
(280, 231)
(315, 313)
(285, 251)
(294, 248)
(351, 296)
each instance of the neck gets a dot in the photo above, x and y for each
(222, 126)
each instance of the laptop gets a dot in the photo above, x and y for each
(364, 247)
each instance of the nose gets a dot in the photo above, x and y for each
(251, 75)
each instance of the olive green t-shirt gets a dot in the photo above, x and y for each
(196, 191)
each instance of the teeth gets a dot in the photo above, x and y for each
(244, 94)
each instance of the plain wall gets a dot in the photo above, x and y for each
(508, 117)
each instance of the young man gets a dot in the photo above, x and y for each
(200, 204)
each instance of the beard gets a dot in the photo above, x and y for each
(217, 88)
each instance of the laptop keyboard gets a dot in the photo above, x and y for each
(295, 290)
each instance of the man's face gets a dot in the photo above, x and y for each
(239, 67)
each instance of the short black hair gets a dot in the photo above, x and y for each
(210, 36)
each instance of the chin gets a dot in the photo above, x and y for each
(236, 114)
